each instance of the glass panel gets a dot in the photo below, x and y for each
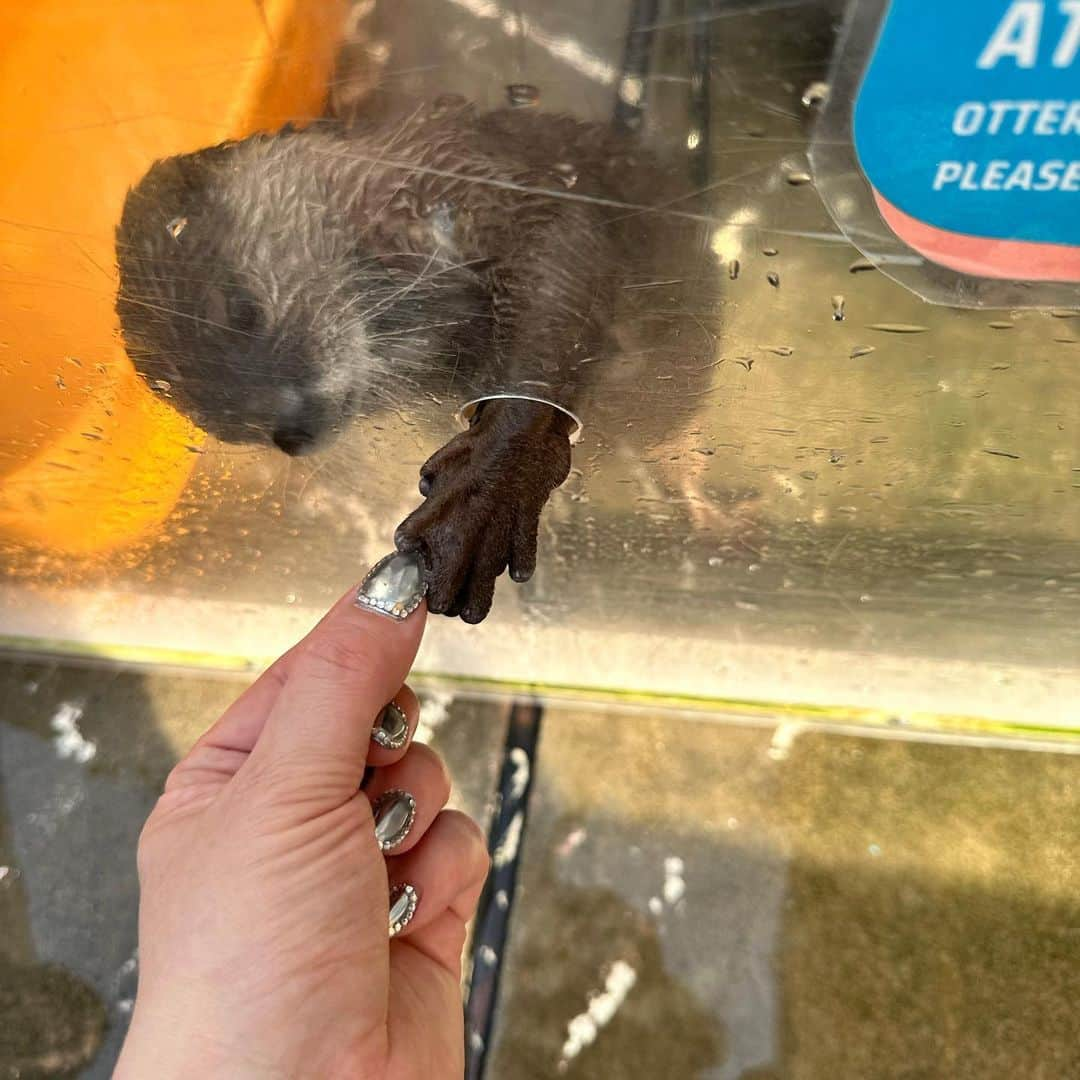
(796, 481)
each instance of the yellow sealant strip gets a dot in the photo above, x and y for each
(568, 693)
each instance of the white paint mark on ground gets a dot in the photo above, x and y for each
(520, 779)
(434, 709)
(70, 741)
(674, 884)
(584, 1028)
(507, 848)
(784, 739)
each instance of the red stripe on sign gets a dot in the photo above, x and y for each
(1013, 259)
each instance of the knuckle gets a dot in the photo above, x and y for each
(343, 655)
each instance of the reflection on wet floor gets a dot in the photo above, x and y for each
(704, 900)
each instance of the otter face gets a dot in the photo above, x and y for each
(243, 297)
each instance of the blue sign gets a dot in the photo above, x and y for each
(968, 119)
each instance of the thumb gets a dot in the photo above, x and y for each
(340, 677)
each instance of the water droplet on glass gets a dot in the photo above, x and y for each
(770, 251)
(817, 93)
(861, 265)
(522, 94)
(861, 350)
(875, 850)
(176, 227)
(733, 269)
(797, 179)
(693, 140)
(838, 308)
(60, 384)
(779, 350)
(1002, 325)
(899, 328)
(1062, 313)
(566, 173)
(773, 279)
(162, 385)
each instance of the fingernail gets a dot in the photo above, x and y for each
(403, 901)
(394, 812)
(391, 728)
(395, 586)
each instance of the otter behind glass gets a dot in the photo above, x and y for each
(302, 261)
(788, 459)
(280, 286)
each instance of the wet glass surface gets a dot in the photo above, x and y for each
(797, 481)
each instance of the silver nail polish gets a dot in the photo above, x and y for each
(394, 812)
(403, 901)
(395, 586)
(391, 728)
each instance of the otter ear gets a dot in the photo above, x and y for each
(186, 175)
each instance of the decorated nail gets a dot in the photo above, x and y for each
(403, 901)
(391, 728)
(395, 586)
(394, 812)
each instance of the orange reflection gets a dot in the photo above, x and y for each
(92, 93)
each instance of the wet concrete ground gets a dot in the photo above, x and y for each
(696, 898)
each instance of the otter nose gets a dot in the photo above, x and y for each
(295, 441)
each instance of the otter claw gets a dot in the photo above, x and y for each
(483, 514)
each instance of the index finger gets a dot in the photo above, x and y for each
(342, 674)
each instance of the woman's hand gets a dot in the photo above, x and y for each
(264, 918)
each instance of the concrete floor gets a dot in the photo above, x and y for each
(697, 898)
(735, 903)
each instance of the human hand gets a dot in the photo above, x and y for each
(263, 921)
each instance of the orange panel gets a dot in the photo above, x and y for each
(91, 94)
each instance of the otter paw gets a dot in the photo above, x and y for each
(484, 492)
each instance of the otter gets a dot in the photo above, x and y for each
(280, 284)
